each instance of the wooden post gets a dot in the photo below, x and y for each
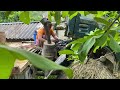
(2, 38)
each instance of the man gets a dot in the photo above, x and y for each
(41, 36)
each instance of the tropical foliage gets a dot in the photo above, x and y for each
(13, 16)
(107, 35)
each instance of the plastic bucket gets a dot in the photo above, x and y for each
(34, 35)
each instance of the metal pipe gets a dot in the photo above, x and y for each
(59, 60)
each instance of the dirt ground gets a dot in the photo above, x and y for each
(14, 44)
(25, 46)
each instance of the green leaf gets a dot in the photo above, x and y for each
(76, 46)
(7, 13)
(100, 41)
(99, 31)
(57, 17)
(52, 13)
(97, 47)
(37, 60)
(24, 17)
(96, 32)
(73, 15)
(115, 25)
(112, 32)
(6, 63)
(114, 45)
(99, 14)
(116, 28)
(86, 13)
(17, 55)
(71, 12)
(49, 15)
(64, 13)
(101, 20)
(81, 12)
(93, 12)
(69, 72)
(82, 56)
(76, 41)
(85, 48)
(80, 40)
(66, 52)
(117, 36)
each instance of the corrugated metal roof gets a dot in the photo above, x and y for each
(19, 30)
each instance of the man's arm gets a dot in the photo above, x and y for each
(41, 39)
(54, 35)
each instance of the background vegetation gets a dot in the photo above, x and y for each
(14, 16)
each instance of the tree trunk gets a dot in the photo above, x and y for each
(2, 38)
